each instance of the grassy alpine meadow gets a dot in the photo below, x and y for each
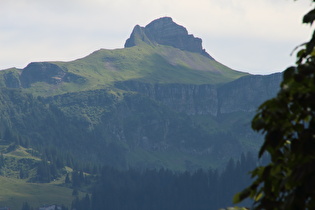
(16, 191)
(156, 64)
(144, 63)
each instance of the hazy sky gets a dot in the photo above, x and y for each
(255, 36)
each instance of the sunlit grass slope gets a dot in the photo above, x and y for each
(144, 63)
(156, 64)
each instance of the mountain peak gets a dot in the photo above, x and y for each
(165, 31)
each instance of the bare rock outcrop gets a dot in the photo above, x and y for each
(165, 31)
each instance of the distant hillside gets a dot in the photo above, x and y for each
(162, 101)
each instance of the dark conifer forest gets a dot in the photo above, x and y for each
(158, 189)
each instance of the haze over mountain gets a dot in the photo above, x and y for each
(238, 35)
(160, 101)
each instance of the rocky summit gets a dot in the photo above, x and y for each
(165, 31)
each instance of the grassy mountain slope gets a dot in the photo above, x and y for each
(145, 63)
(16, 191)
(152, 64)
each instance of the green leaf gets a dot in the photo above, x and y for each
(238, 197)
(258, 197)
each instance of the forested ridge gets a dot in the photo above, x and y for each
(116, 129)
(76, 133)
(54, 143)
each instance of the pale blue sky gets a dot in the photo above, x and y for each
(255, 36)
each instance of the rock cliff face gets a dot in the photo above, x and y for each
(190, 99)
(244, 94)
(41, 72)
(46, 72)
(166, 32)
(247, 93)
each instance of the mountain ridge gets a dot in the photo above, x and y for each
(152, 64)
(161, 52)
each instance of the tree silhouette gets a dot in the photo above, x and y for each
(288, 122)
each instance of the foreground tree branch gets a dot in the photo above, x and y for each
(288, 123)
